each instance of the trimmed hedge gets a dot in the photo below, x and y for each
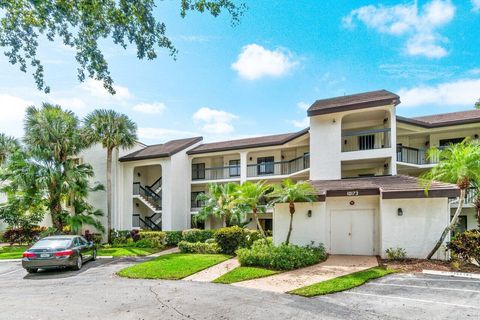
(283, 257)
(197, 235)
(198, 247)
(230, 239)
(22, 235)
(173, 237)
(138, 239)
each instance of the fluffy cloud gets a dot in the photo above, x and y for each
(12, 111)
(255, 62)
(150, 108)
(75, 104)
(302, 124)
(163, 134)
(214, 121)
(457, 93)
(302, 105)
(419, 25)
(476, 5)
(96, 89)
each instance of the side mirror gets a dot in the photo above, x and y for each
(91, 243)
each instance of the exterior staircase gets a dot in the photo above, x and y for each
(151, 197)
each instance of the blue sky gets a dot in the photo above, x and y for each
(258, 77)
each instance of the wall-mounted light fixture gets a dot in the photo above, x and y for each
(138, 174)
(137, 204)
(352, 203)
(333, 121)
(309, 213)
(251, 158)
(476, 136)
(399, 212)
(385, 120)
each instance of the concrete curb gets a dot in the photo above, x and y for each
(10, 260)
(452, 274)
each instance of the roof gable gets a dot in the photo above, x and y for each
(161, 150)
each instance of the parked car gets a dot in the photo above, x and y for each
(59, 252)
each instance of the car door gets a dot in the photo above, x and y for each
(87, 251)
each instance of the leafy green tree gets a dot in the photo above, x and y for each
(458, 164)
(8, 145)
(81, 24)
(291, 192)
(221, 202)
(477, 104)
(251, 195)
(113, 130)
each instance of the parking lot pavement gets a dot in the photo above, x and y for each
(416, 296)
(96, 292)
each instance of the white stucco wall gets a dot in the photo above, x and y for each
(418, 229)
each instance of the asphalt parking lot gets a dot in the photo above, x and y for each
(96, 292)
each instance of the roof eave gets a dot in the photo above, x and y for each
(353, 106)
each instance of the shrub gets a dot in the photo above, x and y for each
(197, 235)
(172, 238)
(282, 257)
(119, 237)
(230, 239)
(396, 253)
(22, 235)
(466, 246)
(251, 236)
(150, 239)
(198, 247)
(93, 237)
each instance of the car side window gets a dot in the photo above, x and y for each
(77, 242)
(83, 241)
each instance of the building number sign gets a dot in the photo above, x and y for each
(352, 193)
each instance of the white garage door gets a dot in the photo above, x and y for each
(352, 232)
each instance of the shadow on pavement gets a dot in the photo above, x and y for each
(66, 272)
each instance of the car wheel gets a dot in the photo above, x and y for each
(32, 270)
(94, 256)
(79, 263)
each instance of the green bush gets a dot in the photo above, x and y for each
(396, 253)
(151, 239)
(251, 236)
(197, 235)
(119, 237)
(466, 246)
(230, 239)
(283, 257)
(198, 247)
(173, 237)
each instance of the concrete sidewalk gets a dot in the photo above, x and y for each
(212, 273)
(335, 266)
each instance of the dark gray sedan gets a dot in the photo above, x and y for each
(59, 252)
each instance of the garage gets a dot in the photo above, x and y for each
(352, 231)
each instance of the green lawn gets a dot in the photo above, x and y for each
(125, 252)
(173, 266)
(14, 252)
(244, 273)
(342, 283)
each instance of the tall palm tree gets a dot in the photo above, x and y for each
(458, 164)
(8, 145)
(251, 195)
(291, 192)
(113, 130)
(220, 202)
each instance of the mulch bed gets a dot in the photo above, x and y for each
(417, 265)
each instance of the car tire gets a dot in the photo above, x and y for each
(32, 270)
(94, 255)
(79, 263)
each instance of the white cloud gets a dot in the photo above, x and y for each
(475, 71)
(476, 5)
(163, 134)
(150, 108)
(96, 89)
(255, 62)
(214, 121)
(70, 103)
(12, 111)
(419, 25)
(457, 93)
(302, 105)
(302, 124)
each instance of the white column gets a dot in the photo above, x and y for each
(243, 166)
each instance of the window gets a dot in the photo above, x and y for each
(306, 160)
(234, 170)
(366, 142)
(194, 202)
(198, 171)
(265, 165)
(461, 225)
(446, 142)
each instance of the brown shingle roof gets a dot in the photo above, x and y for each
(353, 102)
(161, 150)
(445, 119)
(391, 187)
(272, 140)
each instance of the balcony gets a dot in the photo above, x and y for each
(280, 168)
(366, 140)
(216, 173)
(470, 198)
(414, 156)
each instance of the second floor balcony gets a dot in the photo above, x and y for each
(414, 156)
(366, 139)
(279, 168)
(199, 172)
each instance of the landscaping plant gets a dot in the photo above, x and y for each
(197, 235)
(396, 253)
(251, 195)
(466, 246)
(172, 238)
(230, 239)
(199, 247)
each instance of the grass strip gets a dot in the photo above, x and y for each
(243, 274)
(13, 252)
(125, 251)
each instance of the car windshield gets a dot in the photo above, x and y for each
(52, 243)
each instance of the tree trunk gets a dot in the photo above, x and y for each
(259, 226)
(451, 226)
(291, 207)
(109, 194)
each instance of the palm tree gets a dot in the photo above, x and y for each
(459, 164)
(113, 130)
(220, 201)
(8, 145)
(251, 196)
(291, 192)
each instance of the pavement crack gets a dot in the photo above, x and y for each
(157, 297)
